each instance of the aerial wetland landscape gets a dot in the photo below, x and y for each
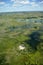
(21, 38)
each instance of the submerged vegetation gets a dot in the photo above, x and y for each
(21, 38)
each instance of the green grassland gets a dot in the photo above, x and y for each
(21, 28)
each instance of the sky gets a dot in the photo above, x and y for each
(21, 5)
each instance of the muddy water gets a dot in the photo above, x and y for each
(29, 20)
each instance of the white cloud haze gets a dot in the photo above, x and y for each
(22, 4)
(1, 3)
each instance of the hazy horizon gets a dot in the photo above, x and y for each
(20, 11)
